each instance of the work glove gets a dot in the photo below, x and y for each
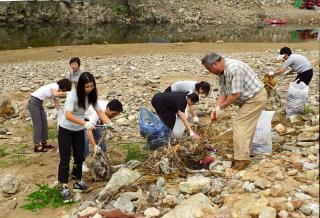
(96, 149)
(194, 135)
(195, 119)
(271, 73)
(108, 125)
(89, 125)
(216, 113)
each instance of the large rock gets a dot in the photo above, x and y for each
(195, 184)
(197, 206)
(118, 180)
(6, 109)
(10, 184)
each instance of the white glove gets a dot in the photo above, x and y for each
(194, 135)
(96, 149)
(271, 73)
(195, 119)
(89, 125)
(108, 125)
(216, 113)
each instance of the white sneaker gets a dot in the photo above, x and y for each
(85, 169)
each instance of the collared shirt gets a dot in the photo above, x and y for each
(238, 77)
(298, 63)
(74, 77)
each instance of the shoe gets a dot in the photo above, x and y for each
(80, 187)
(65, 193)
(240, 164)
(85, 169)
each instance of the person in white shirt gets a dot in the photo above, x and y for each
(93, 136)
(190, 87)
(74, 75)
(38, 115)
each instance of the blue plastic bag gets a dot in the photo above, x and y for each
(153, 129)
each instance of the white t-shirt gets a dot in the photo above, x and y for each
(92, 115)
(298, 63)
(71, 105)
(45, 92)
(184, 86)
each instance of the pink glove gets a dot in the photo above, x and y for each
(194, 135)
(216, 113)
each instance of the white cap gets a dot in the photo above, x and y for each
(279, 57)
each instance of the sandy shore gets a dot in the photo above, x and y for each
(49, 53)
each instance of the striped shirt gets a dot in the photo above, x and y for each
(238, 77)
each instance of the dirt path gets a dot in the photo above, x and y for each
(49, 53)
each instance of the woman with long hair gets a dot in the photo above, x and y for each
(71, 132)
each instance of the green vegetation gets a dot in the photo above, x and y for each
(3, 151)
(43, 197)
(306, 109)
(135, 152)
(29, 127)
(118, 9)
(52, 133)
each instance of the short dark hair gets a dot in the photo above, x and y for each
(85, 78)
(115, 105)
(193, 97)
(285, 50)
(204, 86)
(64, 84)
(75, 59)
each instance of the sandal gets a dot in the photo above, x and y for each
(46, 145)
(39, 148)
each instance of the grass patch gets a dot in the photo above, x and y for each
(135, 152)
(43, 197)
(3, 151)
(118, 9)
(28, 127)
(52, 133)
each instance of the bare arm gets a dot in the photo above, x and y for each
(184, 119)
(74, 119)
(57, 104)
(280, 71)
(103, 117)
(192, 111)
(57, 93)
(229, 100)
(90, 137)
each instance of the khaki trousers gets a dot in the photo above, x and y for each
(244, 125)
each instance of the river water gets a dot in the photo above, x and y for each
(23, 36)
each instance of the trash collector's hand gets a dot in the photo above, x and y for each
(108, 125)
(89, 125)
(271, 73)
(194, 135)
(216, 113)
(195, 119)
(96, 149)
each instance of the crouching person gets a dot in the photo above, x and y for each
(93, 136)
(171, 108)
(71, 136)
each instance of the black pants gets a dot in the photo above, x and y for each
(305, 77)
(70, 140)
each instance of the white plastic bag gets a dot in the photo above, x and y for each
(297, 98)
(179, 127)
(262, 142)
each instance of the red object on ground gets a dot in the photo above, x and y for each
(276, 21)
(206, 161)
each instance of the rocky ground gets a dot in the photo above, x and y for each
(284, 184)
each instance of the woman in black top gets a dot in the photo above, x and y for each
(171, 106)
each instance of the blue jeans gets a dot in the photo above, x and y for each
(97, 133)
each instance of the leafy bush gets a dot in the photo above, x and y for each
(44, 196)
